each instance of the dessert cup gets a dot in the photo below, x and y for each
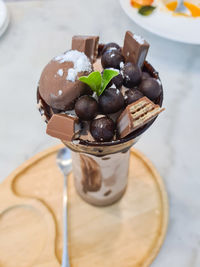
(101, 168)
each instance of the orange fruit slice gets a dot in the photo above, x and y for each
(139, 3)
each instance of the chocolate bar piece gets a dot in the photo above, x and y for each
(86, 44)
(136, 115)
(62, 126)
(135, 49)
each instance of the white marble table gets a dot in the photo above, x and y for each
(41, 29)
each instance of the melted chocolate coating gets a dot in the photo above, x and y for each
(150, 88)
(102, 129)
(132, 75)
(86, 107)
(112, 59)
(111, 101)
(58, 92)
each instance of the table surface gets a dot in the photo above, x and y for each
(40, 30)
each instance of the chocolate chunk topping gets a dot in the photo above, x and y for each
(135, 49)
(62, 127)
(86, 44)
(136, 115)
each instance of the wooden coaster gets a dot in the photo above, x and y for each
(128, 233)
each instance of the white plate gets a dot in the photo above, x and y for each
(160, 22)
(4, 17)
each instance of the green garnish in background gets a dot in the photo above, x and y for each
(146, 10)
(98, 82)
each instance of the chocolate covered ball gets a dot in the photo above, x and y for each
(112, 59)
(111, 46)
(111, 101)
(151, 88)
(145, 75)
(102, 129)
(86, 107)
(59, 85)
(132, 96)
(132, 75)
(117, 81)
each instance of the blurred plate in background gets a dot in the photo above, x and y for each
(4, 17)
(165, 24)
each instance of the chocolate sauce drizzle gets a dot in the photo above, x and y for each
(91, 174)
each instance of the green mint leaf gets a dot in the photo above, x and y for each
(94, 80)
(146, 10)
(106, 78)
(97, 82)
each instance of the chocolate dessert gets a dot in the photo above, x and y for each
(98, 99)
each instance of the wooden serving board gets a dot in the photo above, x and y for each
(126, 234)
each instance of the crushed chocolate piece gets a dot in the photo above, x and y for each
(136, 115)
(135, 49)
